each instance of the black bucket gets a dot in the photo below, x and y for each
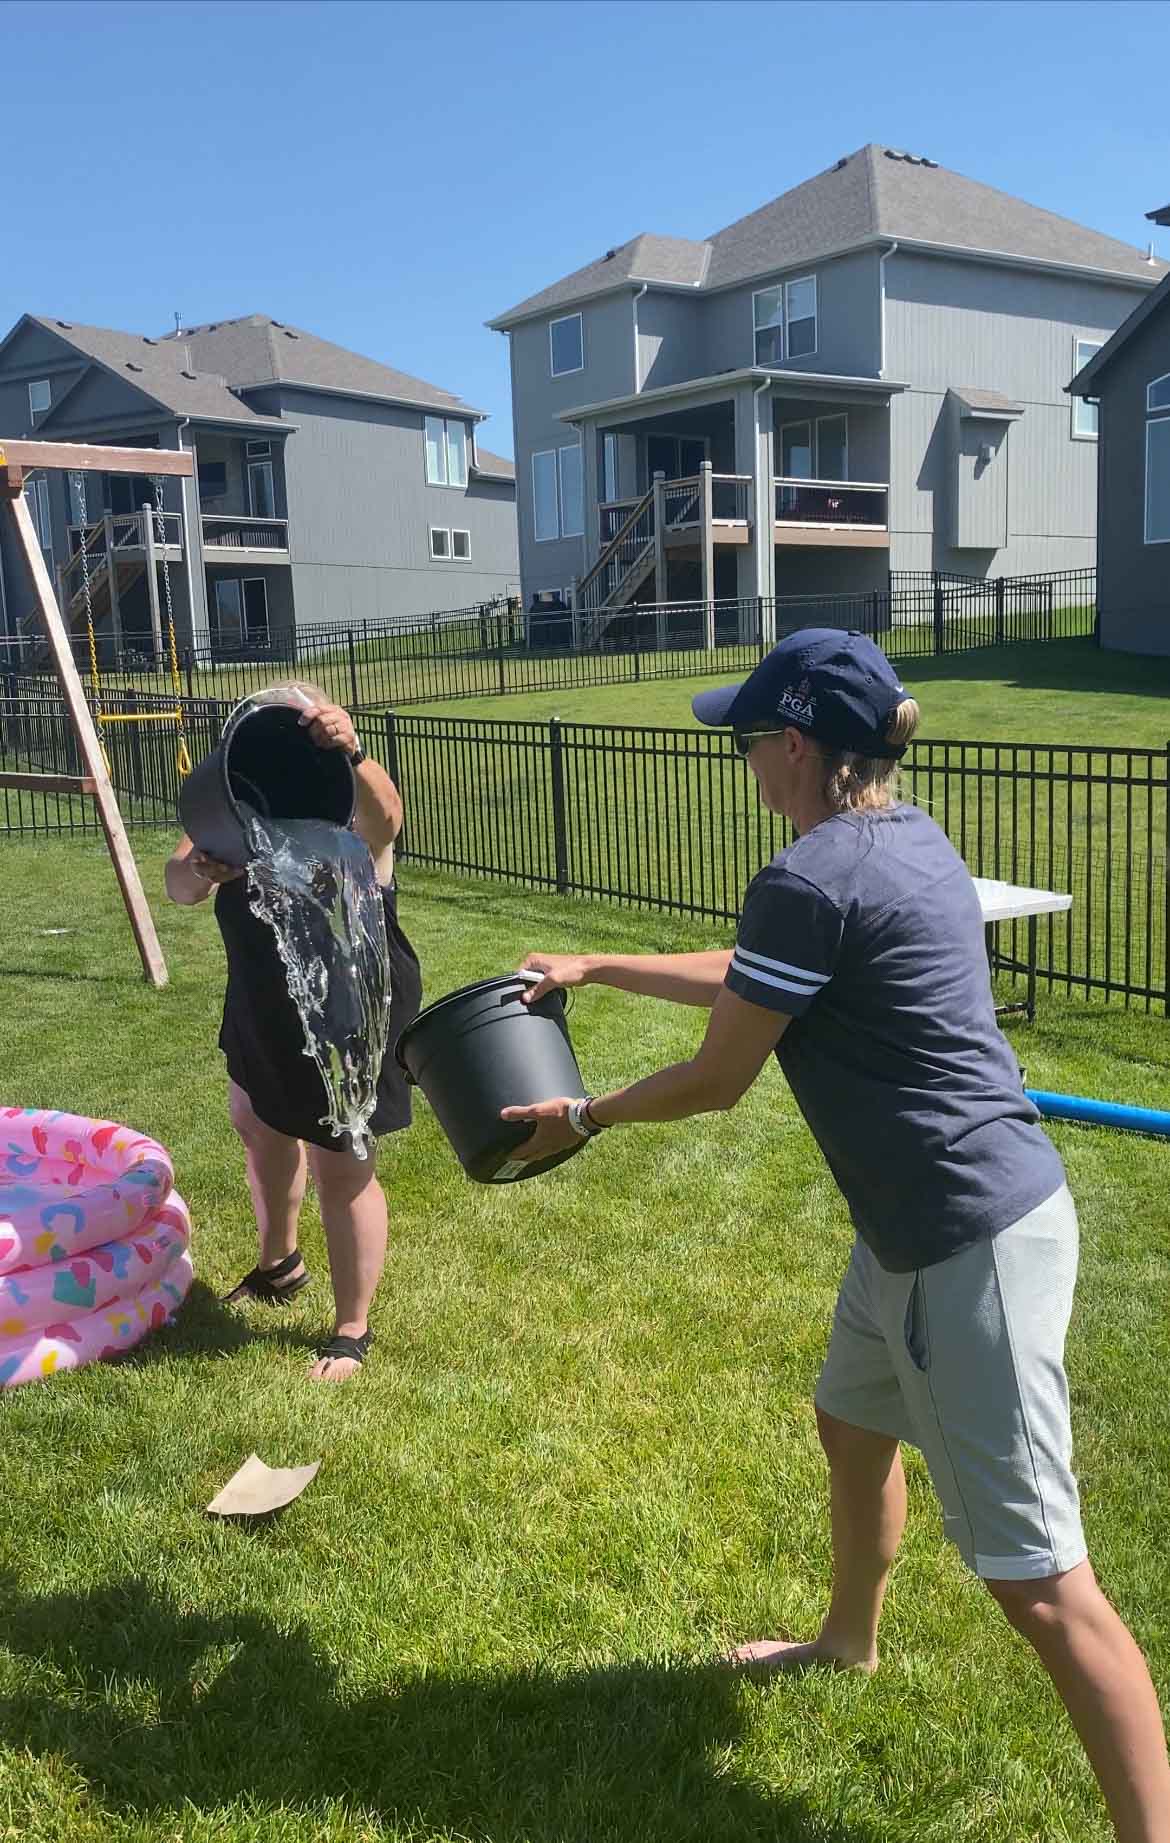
(271, 764)
(481, 1049)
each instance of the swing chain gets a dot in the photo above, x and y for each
(87, 590)
(183, 757)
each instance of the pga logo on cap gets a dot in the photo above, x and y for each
(797, 702)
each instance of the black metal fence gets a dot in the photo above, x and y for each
(495, 649)
(669, 819)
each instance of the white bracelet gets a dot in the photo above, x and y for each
(576, 1119)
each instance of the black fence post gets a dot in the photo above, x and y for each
(394, 771)
(939, 613)
(560, 816)
(1000, 584)
(353, 684)
(188, 670)
(500, 655)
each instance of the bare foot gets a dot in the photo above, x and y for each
(333, 1369)
(766, 1657)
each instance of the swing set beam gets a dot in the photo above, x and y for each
(15, 457)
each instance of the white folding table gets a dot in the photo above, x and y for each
(1013, 902)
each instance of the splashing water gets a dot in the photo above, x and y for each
(315, 887)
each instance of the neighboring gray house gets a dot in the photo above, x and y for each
(874, 366)
(1129, 380)
(330, 489)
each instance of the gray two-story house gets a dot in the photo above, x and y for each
(1128, 381)
(867, 374)
(329, 489)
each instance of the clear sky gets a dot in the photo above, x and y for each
(390, 175)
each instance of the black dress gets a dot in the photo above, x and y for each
(264, 1041)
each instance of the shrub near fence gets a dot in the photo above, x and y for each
(493, 650)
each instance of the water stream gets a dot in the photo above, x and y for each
(314, 885)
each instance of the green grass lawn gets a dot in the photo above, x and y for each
(1058, 691)
(580, 1459)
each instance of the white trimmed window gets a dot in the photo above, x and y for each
(1084, 409)
(1158, 394)
(612, 468)
(446, 449)
(566, 345)
(558, 494)
(785, 320)
(40, 396)
(461, 546)
(1158, 463)
(440, 541)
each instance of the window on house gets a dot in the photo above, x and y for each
(446, 447)
(256, 611)
(545, 517)
(229, 612)
(566, 344)
(261, 491)
(440, 541)
(1158, 480)
(1158, 394)
(572, 492)
(796, 451)
(40, 396)
(36, 494)
(212, 480)
(1084, 409)
(461, 546)
(611, 469)
(800, 309)
(832, 448)
(257, 451)
(768, 308)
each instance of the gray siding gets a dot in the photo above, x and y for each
(971, 325)
(1133, 577)
(847, 319)
(537, 399)
(671, 339)
(360, 512)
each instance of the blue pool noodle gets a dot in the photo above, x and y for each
(1100, 1113)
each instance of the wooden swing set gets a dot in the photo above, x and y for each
(94, 783)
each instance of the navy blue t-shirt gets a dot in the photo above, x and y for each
(868, 933)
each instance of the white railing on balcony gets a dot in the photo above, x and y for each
(223, 532)
(832, 502)
(730, 504)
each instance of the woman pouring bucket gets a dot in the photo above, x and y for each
(860, 964)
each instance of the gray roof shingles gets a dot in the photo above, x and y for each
(869, 196)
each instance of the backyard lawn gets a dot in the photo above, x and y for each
(580, 1459)
(1058, 691)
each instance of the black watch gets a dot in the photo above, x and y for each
(357, 755)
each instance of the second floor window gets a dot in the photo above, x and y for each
(785, 320)
(566, 343)
(1158, 461)
(558, 501)
(40, 396)
(1084, 409)
(446, 445)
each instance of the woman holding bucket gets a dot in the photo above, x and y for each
(276, 1093)
(859, 962)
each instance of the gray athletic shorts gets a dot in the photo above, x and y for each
(965, 1360)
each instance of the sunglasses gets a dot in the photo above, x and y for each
(744, 741)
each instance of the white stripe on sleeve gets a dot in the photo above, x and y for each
(783, 966)
(782, 985)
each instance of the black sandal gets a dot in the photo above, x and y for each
(355, 1348)
(264, 1283)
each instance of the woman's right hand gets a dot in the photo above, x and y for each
(557, 971)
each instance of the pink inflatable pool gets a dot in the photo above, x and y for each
(93, 1242)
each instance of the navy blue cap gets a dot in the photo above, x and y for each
(837, 687)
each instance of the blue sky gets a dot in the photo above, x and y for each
(391, 175)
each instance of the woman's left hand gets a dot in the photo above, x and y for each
(331, 727)
(551, 1133)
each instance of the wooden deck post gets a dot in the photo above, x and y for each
(112, 575)
(141, 921)
(152, 585)
(707, 553)
(660, 590)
